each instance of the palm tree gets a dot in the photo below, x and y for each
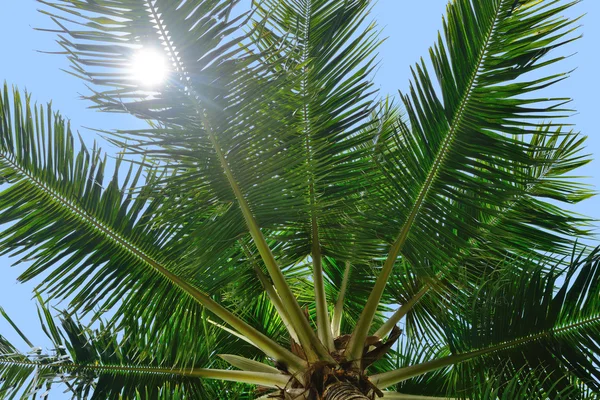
(256, 239)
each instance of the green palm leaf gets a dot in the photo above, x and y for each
(503, 235)
(98, 364)
(64, 220)
(524, 322)
(462, 155)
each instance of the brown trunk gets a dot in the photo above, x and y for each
(343, 391)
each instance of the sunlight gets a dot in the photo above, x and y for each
(149, 67)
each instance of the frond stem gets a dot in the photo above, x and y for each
(323, 324)
(387, 327)
(338, 311)
(274, 297)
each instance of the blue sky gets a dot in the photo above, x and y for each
(410, 25)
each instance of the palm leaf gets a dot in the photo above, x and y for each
(334, 101)
(511, 223)
(98, 244)
(520, 322)
(95, 364)
(216, 111)
(463, 152)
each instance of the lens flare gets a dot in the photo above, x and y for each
(149, 67)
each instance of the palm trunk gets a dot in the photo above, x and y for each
(343, 391)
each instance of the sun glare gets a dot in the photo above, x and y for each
(149, 67)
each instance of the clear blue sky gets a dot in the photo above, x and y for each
(410, 25)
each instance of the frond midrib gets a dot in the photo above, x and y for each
(83, 215)
(556, 331)
(164, 36)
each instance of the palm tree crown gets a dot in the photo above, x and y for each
(268, 230)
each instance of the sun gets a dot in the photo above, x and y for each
(149, 67)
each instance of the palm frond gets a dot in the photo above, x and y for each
(508, 234)
(96, 364)
(220, 118)
(334, 100)
(97, 244)
(463, 152)
(531, 325)
(271, 181)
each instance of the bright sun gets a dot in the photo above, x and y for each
(149, 67)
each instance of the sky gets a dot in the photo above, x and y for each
(410, 26)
